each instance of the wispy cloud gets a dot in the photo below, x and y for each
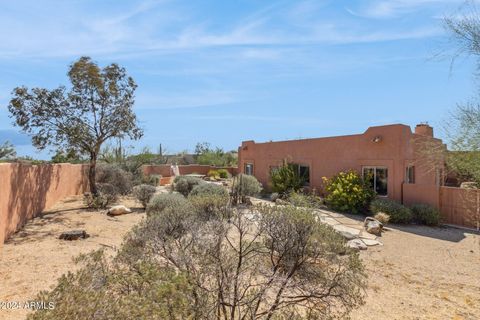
(395, 8)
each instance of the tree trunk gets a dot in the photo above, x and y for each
(92, 174)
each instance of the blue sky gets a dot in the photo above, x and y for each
(227, 71)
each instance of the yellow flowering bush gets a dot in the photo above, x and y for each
(347, 192)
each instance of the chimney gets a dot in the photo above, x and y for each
(424, 129)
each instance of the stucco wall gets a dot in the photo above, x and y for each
(328, 156)
(165, 170)
(27, 190)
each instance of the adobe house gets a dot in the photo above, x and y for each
(392, 154)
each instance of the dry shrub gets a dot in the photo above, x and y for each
(382, 217)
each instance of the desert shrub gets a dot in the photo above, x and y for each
(142, 290)
(209, 189)
(185, 184)
(223, 173)
(144, 193)
(326, 276)
(382, 217)
(115, 176)
(213, 174)
(245, 186)
(210, 206)
(398, 213)
(347, 192)
(286, 179)
(308, 200)
(153, 179)
(160, 202)
(107, 194)
(425, 214)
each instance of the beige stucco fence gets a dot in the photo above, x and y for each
(26, 190)
(458, 206)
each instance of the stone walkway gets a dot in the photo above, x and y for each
(351, 229)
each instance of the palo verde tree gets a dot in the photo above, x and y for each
(97, 107)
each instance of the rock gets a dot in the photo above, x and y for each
(74, 235)
(371, 243)
(118, 210)
(248, 201)
(373, 226)
(347, 232)
(357, 244)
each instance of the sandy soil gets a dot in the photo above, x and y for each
(423, 273)
(419, 272)
(34, 258)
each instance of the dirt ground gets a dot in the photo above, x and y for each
(419, 272)
(423, 273)
(34, 258)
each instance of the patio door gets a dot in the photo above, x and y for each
(377, 178)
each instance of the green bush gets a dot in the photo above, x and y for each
(245, 186)
(305, 200)
(223, 173)
(144, 193)
(185, 184)
(286, 179)
(425, 214)
(114, 175)
(209, 189)
(347, 192)
(162, 201)
(398, 213)
(210, 206)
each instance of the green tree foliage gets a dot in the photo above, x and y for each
(286, 179)
(7, 150)
(347, 192)
(98, 106)
(214, 156)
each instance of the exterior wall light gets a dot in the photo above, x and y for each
(377, 139)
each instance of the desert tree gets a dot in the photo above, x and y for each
(7, 150)
(98, 106)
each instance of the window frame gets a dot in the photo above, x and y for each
(410, 179)
(247, 164)
(375, 178)
(306, 183)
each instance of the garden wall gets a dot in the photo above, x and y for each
(458, 206)
(165, 170)
(27, 190)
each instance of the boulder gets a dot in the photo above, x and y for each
(74, 235)
(357, 244)
(373, 226)
(118, 210)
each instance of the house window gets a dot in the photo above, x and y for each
(410, 174)
(377, 177)
(304, 172)
(249, 169)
